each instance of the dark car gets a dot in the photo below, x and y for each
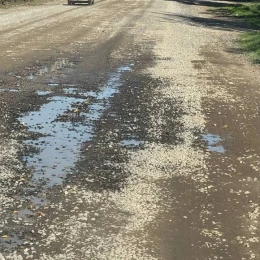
(72, 2)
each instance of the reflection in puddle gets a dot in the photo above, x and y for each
(11, 241)
(214, 143)
(9, 90)
(60, 146)
(132, 143)
(71, 91)
(53, 84)
(24, 213)
(43, 93)
(54, 67)
(36, 201)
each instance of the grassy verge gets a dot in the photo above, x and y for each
(250, 13)
(251, 43)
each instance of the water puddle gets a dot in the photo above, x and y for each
(59, 149)
(9, 90)
(131, 143)
(214, 143)
(53, 84)
(66, 122)
(24, 213)
(57, 66)
(43, 93)
(10, 241)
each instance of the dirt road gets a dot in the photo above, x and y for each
(128, 130)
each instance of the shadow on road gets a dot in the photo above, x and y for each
(220, 22)
(203, 3)
(221, 19)
(218, 3)
(216, 17)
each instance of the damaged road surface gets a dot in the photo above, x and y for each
(128, 130)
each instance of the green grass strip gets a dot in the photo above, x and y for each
(250, 13)
(250, 42)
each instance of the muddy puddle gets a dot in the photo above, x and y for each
(64, 122)
(214, 143)
(62, 132)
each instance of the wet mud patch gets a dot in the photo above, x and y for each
(167, 121)
(105, 123)
(67, 122)
(184, 217)
(51, 67)
(232, 200)
(52, 72)
(234, 173)
(124, 126)
(12, 105)
(132, 142)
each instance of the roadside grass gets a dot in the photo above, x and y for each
(250, 42)
(250, 13)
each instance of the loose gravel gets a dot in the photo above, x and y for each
(118, 224)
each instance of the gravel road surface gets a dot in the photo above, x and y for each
(128, 130)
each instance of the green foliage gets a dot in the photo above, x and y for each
(251, 43)
(250, 13)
